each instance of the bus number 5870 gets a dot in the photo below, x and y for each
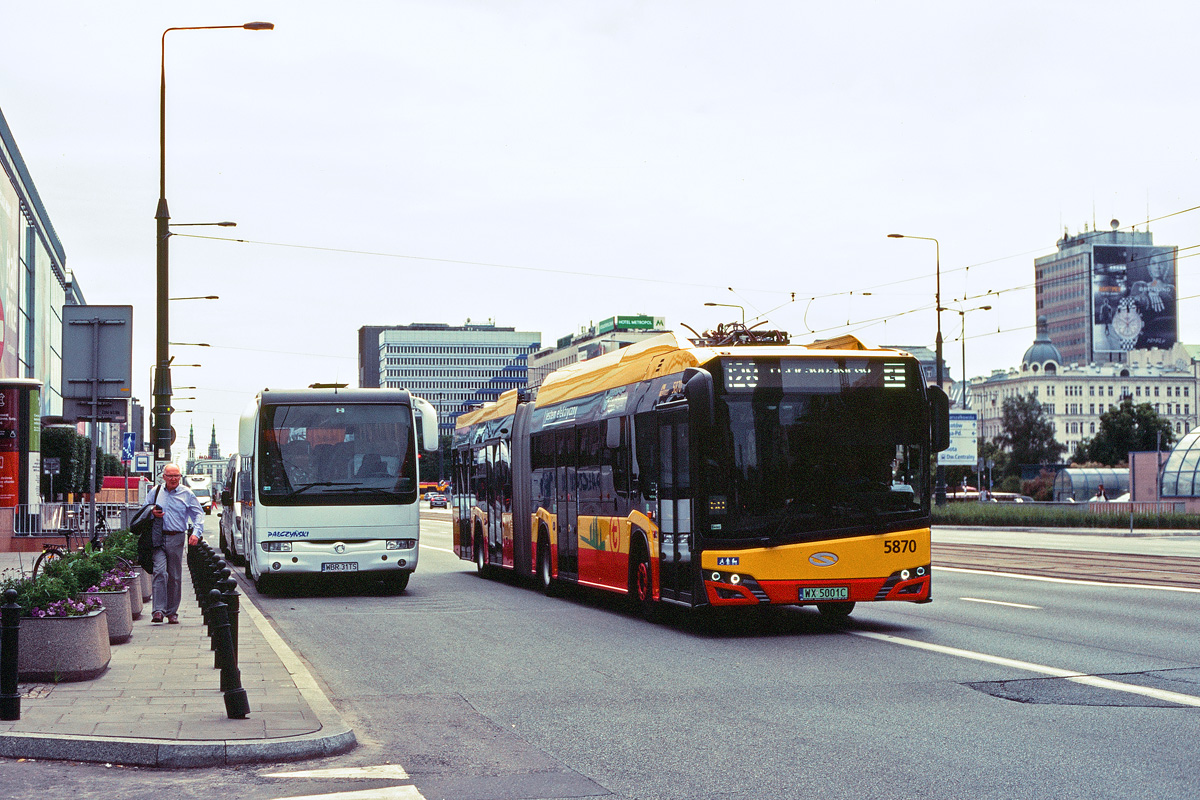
(900, 546)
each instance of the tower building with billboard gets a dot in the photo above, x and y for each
(1105, 293)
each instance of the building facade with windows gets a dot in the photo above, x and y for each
(453, 367)
(1074, 396)
(1107, 293)
(34, 281)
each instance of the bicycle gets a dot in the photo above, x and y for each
(52, 552)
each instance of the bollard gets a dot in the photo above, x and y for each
(10, 625)
(237, 706)
(232, 600)
(220, 573)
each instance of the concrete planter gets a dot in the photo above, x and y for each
(147, 583)
(63, 648)
(120, 614)
(133, 585)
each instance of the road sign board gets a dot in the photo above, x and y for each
(141, 462)
(128, 443)
(51, 466)
(964, 437)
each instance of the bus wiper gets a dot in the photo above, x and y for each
(374, 489)
(304, 487)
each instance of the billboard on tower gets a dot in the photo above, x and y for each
(1133, 298)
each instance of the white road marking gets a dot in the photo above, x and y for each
(1072, 581)
(379, 771)
(439, 549)
(996, 602)
(389, 793)
(1077, 677)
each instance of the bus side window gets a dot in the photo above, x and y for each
(645, 457)
(246, 480)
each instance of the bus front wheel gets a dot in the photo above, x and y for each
(398, 581)
(835, 611)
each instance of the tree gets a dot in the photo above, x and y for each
(1126, 429)
(1028, 434)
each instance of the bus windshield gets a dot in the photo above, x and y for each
(337, 454)
(818, 445)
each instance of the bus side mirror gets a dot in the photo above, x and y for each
(427, 416)
(939, 419)
(698, 389)
(226, 497)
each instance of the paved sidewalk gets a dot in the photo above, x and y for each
(159, 703)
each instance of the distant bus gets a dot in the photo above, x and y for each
(327, 482)
(733, 470)
(436, 487)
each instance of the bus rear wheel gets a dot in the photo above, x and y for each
(642, 589)
(481, 564)
(544, 571)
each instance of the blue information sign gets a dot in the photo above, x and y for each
(128, 443)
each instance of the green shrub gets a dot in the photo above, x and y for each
(1036, 515)
(39, 593)
(86, 569)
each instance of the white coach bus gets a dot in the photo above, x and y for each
(327, 482)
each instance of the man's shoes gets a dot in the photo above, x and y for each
(173, 619)
(158, 617)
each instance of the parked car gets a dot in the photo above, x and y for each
(438, 501)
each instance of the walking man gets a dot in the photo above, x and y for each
(174, 507)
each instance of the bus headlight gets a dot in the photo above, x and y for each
(401, 544)
(277, 547)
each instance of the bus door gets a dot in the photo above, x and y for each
(497, 471)
(568, 505)
(463, 545)
(674, 506)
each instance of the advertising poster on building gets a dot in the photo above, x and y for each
(10, 447)
(1133, 299)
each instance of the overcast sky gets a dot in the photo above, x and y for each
(547, 164)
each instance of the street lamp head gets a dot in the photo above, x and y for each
(895, 235)
(259, 26)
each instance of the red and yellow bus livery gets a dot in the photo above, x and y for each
(727, 469)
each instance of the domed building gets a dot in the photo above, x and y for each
(1042, 355)
(1075, 395)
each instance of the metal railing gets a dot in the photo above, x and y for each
(60, 519)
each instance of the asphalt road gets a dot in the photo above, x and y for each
(1003, 687)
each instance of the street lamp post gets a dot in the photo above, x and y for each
(939, 486)
(731, 305)
(162, 356)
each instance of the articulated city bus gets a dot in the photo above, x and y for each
(328, 482)
(730, 469)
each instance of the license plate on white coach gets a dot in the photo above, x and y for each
(340, 566)
(825, 593)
